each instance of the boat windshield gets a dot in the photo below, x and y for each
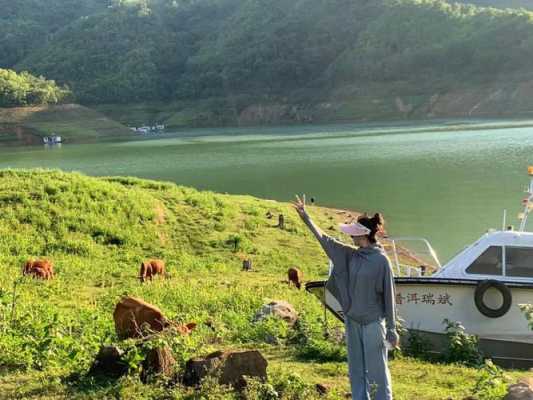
(490, 262)
(510, 261)
(519, 262)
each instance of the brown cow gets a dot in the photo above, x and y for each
(295, 277)
(43, 269)
(133, 315)
(150, 268)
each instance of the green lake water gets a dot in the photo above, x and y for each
(448, 181)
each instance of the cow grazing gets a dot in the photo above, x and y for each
(41, 273)
(295, 277)
(43, 269)
(132, 316)
(150, 268)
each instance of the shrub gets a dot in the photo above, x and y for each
(257, 390)
(313, 344)
(417, 346)
(462, 347)
(291, 386)
(527, 309)
(491, 384)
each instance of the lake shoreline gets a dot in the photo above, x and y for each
(90, 123)
(427, 182)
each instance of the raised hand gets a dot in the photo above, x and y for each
(299, 205)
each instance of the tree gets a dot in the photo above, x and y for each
(25, 89)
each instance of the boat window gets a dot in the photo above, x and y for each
(519, 261)
(488, 263)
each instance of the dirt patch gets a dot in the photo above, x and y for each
(159, 214)
(163, 239)
(160, 219)
(340, 215)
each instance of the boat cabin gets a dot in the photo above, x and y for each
(503, 255)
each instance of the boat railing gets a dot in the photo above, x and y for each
(409, 270)
(423, 267)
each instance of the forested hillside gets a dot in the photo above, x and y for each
(26, 25)
(305, 50)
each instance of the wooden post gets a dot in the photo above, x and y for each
(247, 265)
(281, 222)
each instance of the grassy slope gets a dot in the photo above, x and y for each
(72, 121)
(97, 230)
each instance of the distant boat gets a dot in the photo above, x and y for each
(52, 139)
(146, 129)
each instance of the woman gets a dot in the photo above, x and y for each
(362, 282)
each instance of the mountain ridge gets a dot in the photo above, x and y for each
(255, 52)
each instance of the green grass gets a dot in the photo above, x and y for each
(97, 231)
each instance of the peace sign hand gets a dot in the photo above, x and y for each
(299, 205)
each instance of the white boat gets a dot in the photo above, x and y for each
(482, 287)
(53, 139)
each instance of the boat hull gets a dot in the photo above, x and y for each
(424, 303)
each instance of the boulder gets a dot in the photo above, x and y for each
(159, 361)
(519, 391)
(230, 367)
(108, 362)
(280, 309)
(528, 380)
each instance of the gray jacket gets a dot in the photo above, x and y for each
(362, 280)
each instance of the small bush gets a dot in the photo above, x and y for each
(527, 309)
(417, 346)
(257, 390)
(235, 242)
(462, 347)
(492, 383)
(291, 386)
(212, 390)
(313, 344)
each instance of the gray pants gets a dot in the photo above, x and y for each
(367, 361)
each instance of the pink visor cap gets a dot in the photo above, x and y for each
(354, 229)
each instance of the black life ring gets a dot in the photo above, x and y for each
(482, 287)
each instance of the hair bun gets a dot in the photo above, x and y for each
(375, 224)
(378, 219)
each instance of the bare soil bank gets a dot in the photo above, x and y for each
(349, 104)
